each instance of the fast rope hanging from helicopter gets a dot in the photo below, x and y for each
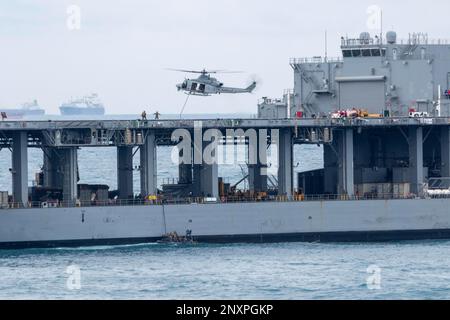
(184, 105)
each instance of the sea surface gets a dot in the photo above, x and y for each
(397, 270)
(406, 270)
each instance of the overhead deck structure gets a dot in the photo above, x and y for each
(407, 150)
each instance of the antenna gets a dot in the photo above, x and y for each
(438, 107)
(326, 46)
(381, 26)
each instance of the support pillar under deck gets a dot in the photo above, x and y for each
(69, 166)
(149, 166)
(125, 172)
(416, 176)
(445, 153)
(285, 160)
(257, 168)
(20, 168)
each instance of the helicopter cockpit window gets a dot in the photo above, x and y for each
(194, 86)
(184, 85)
(201, 88)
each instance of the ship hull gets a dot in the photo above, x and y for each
(329, 221)
(20, 113)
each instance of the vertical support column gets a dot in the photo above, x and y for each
(197, 181)
(125, 172)
(20, 168)
(349, 184)
(445, 154)
(149, 183)
(210, 180)
(210, 167)
(51, 164)
(285, 159)
(48, 168)
(185, 173)
(416, 160)
(197, 148)
(206, 174)
(346, 181)
(206, 180)
(257, 178)
(185, 169)
(69, 165)
(331, 165)
(257, 172)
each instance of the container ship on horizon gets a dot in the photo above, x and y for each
(88, 105)
(27, 109)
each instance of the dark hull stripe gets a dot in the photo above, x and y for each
(370, 236)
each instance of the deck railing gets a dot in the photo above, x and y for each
(223, 200)
(294, 61)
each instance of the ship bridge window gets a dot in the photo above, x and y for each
(366, 52)
(375, 52)
(347, 53)
(356, 53)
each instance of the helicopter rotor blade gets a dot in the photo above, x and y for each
(224, 71)
(204, 71)
(186, 71)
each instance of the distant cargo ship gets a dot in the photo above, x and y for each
(27, 109)
(88, 105)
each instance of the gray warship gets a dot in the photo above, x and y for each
(381, 113)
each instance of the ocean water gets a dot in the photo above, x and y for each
(403, 270)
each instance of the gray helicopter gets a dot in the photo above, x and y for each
(205, 85)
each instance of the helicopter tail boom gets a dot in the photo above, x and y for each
(249, 89)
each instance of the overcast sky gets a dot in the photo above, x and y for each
(123, 47)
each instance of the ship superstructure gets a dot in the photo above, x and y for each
(382, 75)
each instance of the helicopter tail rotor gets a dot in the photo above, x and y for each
(254, 83)
(251, 87)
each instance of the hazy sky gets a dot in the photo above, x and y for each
(123, 46)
